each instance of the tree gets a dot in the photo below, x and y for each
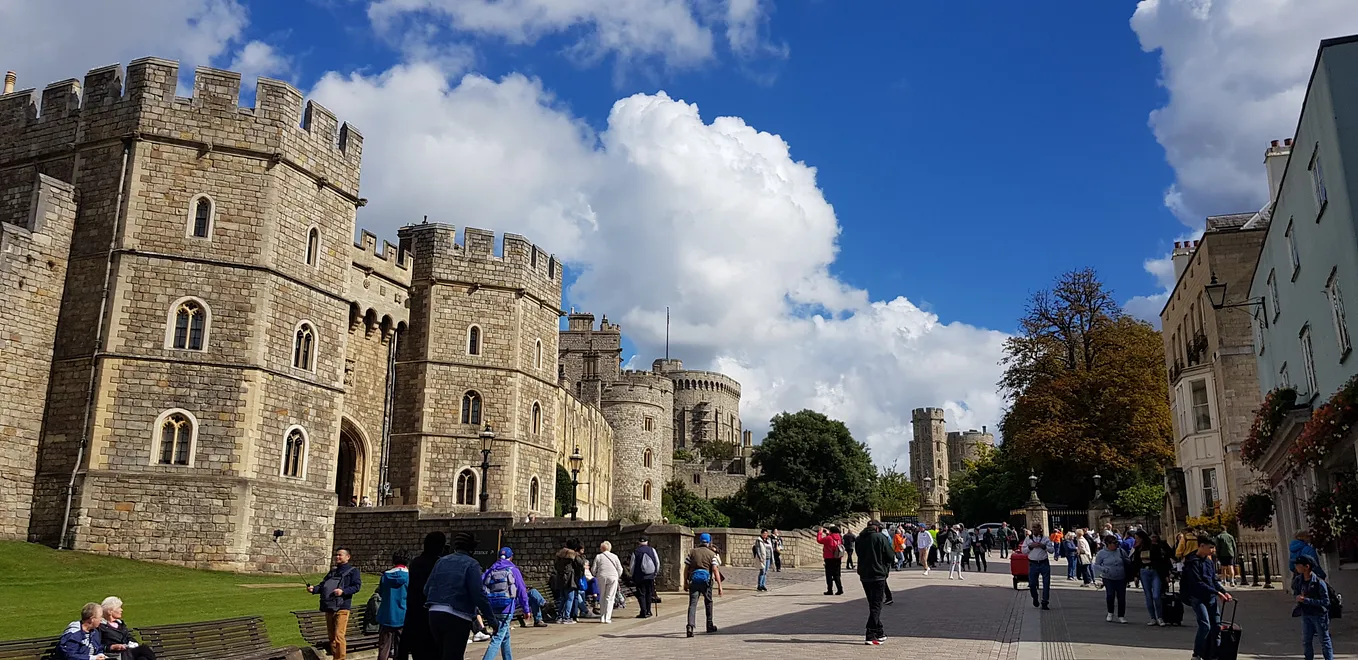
(682, 507)
(895, 493)
(717, 450)
(811, 470)
(1087, 392)
(1143, 499)
(987, 488)
(563, 491)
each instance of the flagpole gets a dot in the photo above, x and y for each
(667, 333)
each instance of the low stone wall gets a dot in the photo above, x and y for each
(800, 549)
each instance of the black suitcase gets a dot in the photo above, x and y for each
(1172, 607)
(1228, 637)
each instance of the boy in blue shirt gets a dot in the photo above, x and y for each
(1313, 606)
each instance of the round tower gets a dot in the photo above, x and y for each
(966, 446)
(640, 406)
(706, 408)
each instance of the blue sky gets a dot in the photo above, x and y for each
(845, 204)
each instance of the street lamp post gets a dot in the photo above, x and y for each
(1098, 494)
(1216, 295)
(487, 439)
(576, 461)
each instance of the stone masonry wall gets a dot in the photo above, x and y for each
(639, 409)
(35, 239)
(709, 479)
(584, 427)
(706, 408)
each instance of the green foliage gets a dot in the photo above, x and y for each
(563, 491)
(682, 507)
(811, 470)
(716, 450)
(987, 489)
(737, 507)
(1141, 499)
(683, 455)
(895, 493)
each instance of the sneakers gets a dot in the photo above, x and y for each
(829, 593)
(539, 624)
(1044, 606)
(1108, 617)
(688, 631)
(1161, 623)
(875, 642)
(568, 622)
(1122, 619)
(711, 629)
(480, 637)
(1035, 601)
(1153, 622)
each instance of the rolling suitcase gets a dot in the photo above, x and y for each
(1172, 606)
(1228, 637)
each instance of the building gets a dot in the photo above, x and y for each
(929, 452)
(966, 446)
(1308, 261)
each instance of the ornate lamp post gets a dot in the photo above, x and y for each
(1036, 510)
(1216, 295)
(929, 511)
(577, 461)
(487, 439)
(1032, 484)
(1098, 481)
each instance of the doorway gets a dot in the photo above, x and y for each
(350, 466)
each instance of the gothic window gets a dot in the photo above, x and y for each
(537, 355)
(646, 459)
(313, 246)
(304, 347)
(474, 340)
(471, 408)
(188, 325)
(537, 418)
(533, 494)
(466, 487)
(697, 479)
(200, 222)
(178, 432)
(646, 491)
(294, 452)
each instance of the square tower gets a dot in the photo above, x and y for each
(929, 449)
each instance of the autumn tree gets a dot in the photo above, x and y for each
(1087, 392)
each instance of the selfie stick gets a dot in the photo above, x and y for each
(277, 534)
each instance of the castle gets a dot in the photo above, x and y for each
(195, 352)
(936, 453)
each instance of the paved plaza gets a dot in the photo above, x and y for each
(980, 617)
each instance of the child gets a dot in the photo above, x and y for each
(1313, 606)
(391, 614)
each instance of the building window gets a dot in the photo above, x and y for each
(466, 487)
(591, 366)
(188, 325)
(697, 479)
(1292, 249)
(537, 355)
(294, 453)
(1341, 326)
(304, 347)
(1284, 378)
(471, 408)
(533, 494)
(648, 423)
(1273, 295)
(537, 418)
(1308, 360)
(200, 220)
(646, 459)
(1318, 183)
(646, 491)
(1210, 495)
(178, 431)
(313, 246)
(1202, 409)
(474, 340)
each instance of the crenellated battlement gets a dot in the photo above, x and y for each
(520, 265)
(928, 413)
(704, 380)
(640, 387)
(388, 262)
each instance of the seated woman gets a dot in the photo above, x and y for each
(117, 637)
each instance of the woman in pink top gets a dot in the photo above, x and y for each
(832, 546)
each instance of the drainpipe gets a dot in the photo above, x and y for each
(118, 211)
(384, 487)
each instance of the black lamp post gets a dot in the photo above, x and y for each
(487, 439)
(1098, 481)
(1032, 484)
(576, 461)
(1216, 295)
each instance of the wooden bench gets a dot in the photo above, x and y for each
(243, 638)
(315, 632)
(37, 648)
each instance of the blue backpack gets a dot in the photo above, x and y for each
(701, 577)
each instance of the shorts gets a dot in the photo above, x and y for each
(1226, 561)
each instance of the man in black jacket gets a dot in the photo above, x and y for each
(1201, 589)
(337, 590)
(416, 640)
(875, 558)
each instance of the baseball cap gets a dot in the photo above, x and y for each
(705, 538)
(506, 552)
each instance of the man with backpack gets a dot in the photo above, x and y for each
(700, 574)
(763, 553)
(645, 568)
(875, 559)
(503, 583)
(1313, 606)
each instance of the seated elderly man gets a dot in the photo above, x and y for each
(81, 639)
(117, 637)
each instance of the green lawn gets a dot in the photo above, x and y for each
(44, 590)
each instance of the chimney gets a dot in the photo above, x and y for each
(1275, 161)
(10, 79)
(1182, 253)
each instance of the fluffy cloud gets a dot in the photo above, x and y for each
(714, 219)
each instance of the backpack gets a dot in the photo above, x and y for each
(501, 587)
(648, 566)
(701, 577)
(754, 549)
(370, 624)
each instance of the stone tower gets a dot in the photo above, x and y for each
(966, 446)
(640, 408)
(706, 406)
(590, 358)
(929, 448)
(482, 351)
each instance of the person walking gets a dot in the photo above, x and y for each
(924, 542)
(1301, 547)
(416, 640)
(1313, 606)
(391, 614)
(337, 590)
(645, 568)
(700, 574)
(455, 594)
(607, 571)
(1071, 554)
(832, 550)
(1039, 550)
(777, 540)
(898, 549)
(849, 540)
(568, 569)
(1226, 556)
(1152, 562)
(505, 589)
(875, 558)
(988, 539)
(1201, 590)
(1111, 566)
(1085, 555)
(763, 553)
(979, 550)
(952, 551)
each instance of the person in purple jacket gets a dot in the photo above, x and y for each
(505, 589)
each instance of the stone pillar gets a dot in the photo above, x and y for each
(1099, 515)
(1036, 512)
(929, 510)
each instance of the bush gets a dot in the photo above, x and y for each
(682, 507)
(1141, 499)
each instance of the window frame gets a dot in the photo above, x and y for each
(646, 491)
(1209, 489)
(303, 461)
(534, 493)
(1273, 295)
(1319, 192)
(1284, 376)
(473, 408)
(647, 423)
(157, 439)
(192, 225)
(172, 321)
(312, 249)
(535, 418)
(647, 459)
(310, 362)
(537, 354)
(1194, 406)
(1335, 295)
(1308, 359)
(459, 486)
(476, 340)
(1293, 255)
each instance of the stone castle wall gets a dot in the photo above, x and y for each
(929, 448)
(710, 479)
(706, 408)
(582, 426)
(35, 238)
(964, 446)
(639, 409)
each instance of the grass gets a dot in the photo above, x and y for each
(44, 590)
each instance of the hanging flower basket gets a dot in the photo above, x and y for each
(1255, 511)
(1333, 514)
(1328, 426)
(1266, 420)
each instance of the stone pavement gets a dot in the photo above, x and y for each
(980, 617)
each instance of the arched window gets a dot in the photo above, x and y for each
(304, 347)
(471, 408)
(313, 246)
(537, 355)
(466, 487)
(474, 340)
(294, 453)
(187, 325)
(178, 431)
(533, 494)
(646, 491)
(697, 479)
(537, 418)
(200, 220)
(646, 459)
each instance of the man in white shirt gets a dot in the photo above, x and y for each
(923, 541)
(1039, 550)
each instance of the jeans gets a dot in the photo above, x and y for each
(979, 555)
(645, 594)
(500, 640)
(1041, 568)
(1072, 566)
(696, 591)
(1312, 626)
(565, 605)
(450, 635)
(1004, 548)
(581, 604)
(1209, 621)
(1117, 591)
(876, 593)
(900, 560)
(832, 573)
(535, 604)
(1154, 588)
(764, 574)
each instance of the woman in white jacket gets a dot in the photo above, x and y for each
(1085, 556)
(607, 570)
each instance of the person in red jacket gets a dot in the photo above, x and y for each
(832, 545)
